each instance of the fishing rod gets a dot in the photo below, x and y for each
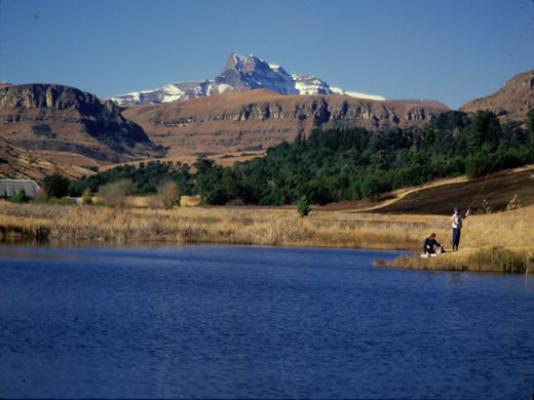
(483, 183)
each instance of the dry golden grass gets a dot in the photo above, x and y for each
(490, 242)
(484, 259)
(501, 242)
(279, 226)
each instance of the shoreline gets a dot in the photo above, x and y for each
(500, 242)
(449, 262)
(487, 259)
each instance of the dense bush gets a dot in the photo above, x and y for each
(56, 185)
(19, 197)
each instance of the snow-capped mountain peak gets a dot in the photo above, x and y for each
(241, 73)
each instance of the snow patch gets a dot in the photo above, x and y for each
(172, 89)
(223, 87)
(357, 95)
(337, 90)
(365, 96)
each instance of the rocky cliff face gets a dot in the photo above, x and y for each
(61, 119)
(259, 119)
(249, 73)
(511, 102)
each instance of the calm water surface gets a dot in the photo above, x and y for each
(234, 322)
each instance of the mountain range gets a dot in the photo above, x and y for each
(46, 127)
(241, 74)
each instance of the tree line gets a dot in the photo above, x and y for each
(335, 165)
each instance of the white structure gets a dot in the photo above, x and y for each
(10, 187)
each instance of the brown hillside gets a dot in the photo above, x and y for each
(257, 119)
(25, 164)
(65, 123)
(492, 193)
(512, 101)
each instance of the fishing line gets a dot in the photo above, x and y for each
(483, 183)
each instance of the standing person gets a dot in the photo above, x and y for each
(457, 220)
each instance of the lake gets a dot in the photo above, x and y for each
(257, 322)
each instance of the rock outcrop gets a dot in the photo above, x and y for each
(260, 118)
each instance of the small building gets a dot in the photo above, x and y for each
(10, 187)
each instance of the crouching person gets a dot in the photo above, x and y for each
(431, 247)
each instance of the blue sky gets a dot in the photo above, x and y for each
(449, 50)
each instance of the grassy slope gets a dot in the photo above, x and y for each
(440, 196)
(27, 164)
(488, 193)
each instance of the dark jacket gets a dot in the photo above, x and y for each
(428, 246)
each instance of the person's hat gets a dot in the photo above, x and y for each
(456, 209)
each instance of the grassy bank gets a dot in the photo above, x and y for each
(510, 231)
(485, 259)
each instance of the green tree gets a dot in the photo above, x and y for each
(303, 206)
(203, 165)
(210, 186)
(56, 185)
(484, 131)
(19, 197)
(371, 187)
(478, 164)
(341, 164)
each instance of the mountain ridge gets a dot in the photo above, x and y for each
(257, 119)
(69, 127)
(241, 73)
(511, 101)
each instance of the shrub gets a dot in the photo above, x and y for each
(56, 185)
(87, 196)
(115, 193)
(19, 197)
(169, 194)
(303, 206)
